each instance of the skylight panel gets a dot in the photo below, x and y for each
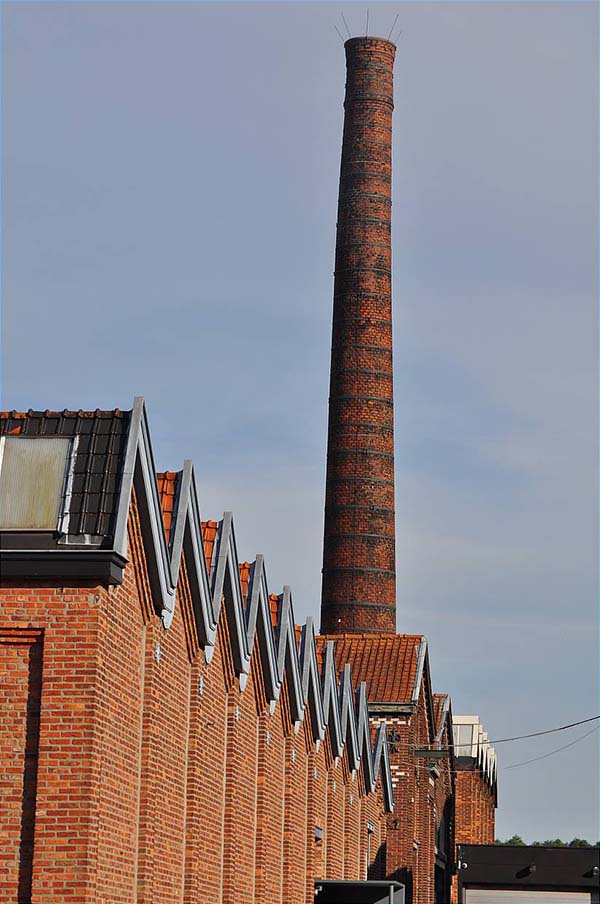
(32, 479)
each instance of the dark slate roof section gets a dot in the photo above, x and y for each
(98, 462)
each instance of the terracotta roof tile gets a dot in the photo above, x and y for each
(387, 662)
(167, 488)
(274, 606)
(244, 568)
(209, 535)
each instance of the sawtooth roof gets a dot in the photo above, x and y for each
(389, 664)
(110, 459)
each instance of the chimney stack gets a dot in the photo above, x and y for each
(359, 577)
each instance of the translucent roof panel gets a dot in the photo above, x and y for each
(32, 477)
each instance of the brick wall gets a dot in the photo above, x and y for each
(152, 777)
(353, 827)
(297, 845)
(20, 694)
(475, 808)
(422, 793)
(475, 812)
(60, 809)
(444, 798)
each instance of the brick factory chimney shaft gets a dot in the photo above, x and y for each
(359, 577)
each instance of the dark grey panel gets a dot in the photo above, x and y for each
(98, 461)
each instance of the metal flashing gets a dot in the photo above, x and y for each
(227, 586)
(137, 413)
(311, 686)
(359, 891)
(287, 656)
(381, 753)
(349, 726)
(419, 671)
(442, 725)
(149, 506)
(364, 736)
(65, 516)
(188, 511)
(331, 703)
(102, 565)
(259, 627)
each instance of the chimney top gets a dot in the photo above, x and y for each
(368, 42)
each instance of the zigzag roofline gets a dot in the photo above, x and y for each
(327, 701)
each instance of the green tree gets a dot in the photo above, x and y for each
(514, 840)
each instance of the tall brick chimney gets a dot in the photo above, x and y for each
(359, 577)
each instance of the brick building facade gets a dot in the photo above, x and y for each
(169, 733)
(476, 782)
(420, 842)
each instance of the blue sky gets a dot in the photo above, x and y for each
(169, 200)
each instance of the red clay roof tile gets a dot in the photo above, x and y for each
(244, 568)
(274, 606)
(209, 535)
(167, 487)
(387, 662)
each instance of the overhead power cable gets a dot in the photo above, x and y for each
(552, 752)
(534, 734)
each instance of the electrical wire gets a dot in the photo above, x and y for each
(535, 759)
(534, 734)
(552, 752)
